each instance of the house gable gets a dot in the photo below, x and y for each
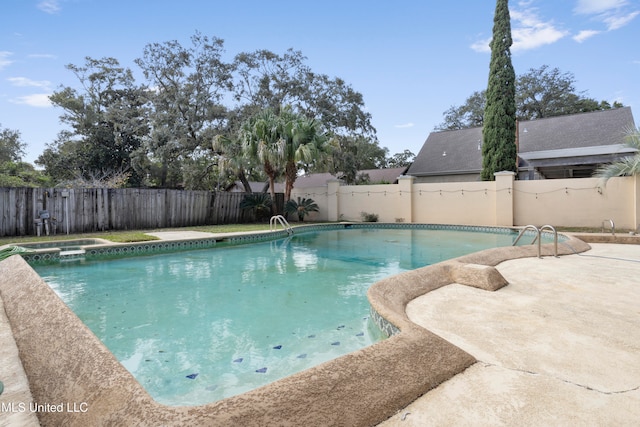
(556, 147)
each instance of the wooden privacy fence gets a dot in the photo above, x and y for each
(84, 210)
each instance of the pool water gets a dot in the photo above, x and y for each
(198, 326)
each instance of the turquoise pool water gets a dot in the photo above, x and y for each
(198, 326)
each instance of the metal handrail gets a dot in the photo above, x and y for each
(538, 238)
(555, 238)
(613, 226)
(526, 227)
(273, 223)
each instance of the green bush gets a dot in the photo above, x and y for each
(302, 207)
(369, 217)
(259, 203)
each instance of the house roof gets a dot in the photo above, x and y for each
(599, 128)
(375, 176)
(459, 151)
(313, 180)
(449, 152)
(320, 180)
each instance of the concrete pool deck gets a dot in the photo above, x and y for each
(560, 345)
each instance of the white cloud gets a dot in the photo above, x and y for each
(42, 55)
(40, 100)
(482, 45)
(528, 31)
(49, 6)
(405, 125)
(614, 14)
(585, 34)
(590, 7)
(615, 22)
(4, 59)
(25, 82)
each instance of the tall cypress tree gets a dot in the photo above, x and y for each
(499, 132)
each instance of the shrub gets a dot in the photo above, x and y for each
(369, 217)
(259, 203)
(302, 207)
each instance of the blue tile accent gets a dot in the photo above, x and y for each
(158, 246)
(388, 328)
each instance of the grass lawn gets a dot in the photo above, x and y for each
(133, 235)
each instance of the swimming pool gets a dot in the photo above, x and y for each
(291, 304)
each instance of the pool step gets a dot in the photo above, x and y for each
(69, 255)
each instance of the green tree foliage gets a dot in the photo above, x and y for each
(107, 121)
(283, 143)
(499, 130)
(263, 79)
(22, 174)
(302, 207)
(540, 92)
(400, 160)
(304, 146)
(13, 171)
(468, 115)
(189, 84)
(350, 154)
(261, 204)
(232, 161)
(11, 146)
(261, 140)
(165, 132)
(548, 92)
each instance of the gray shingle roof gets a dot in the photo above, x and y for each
(606, 127)
(375, 176)
(448, 152)
(599, 128)
(320, 180)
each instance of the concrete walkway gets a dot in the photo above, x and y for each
(189, 235)
(560, 345)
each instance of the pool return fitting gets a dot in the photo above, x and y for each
(538, 238)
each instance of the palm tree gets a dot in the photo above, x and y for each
(230, 157)
(304, 144)
(626, 166)
(302, 207)
(283, 143)
(259, 203)
(262, 140)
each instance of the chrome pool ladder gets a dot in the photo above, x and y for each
(611, 223)
(538, 237)
(273, 223)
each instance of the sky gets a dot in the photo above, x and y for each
(410, 59)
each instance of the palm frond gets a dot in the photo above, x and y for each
(626, 166)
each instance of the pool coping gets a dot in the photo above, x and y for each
(361, 388)
(106, 249)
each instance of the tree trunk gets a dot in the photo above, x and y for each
(291, 173)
